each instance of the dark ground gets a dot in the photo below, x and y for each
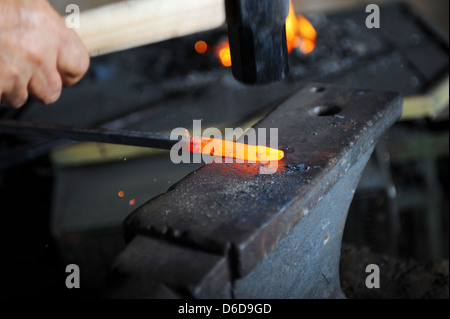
(400, 278)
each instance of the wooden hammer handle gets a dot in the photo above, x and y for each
(133, 23)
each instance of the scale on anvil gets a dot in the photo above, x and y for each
(86, 206)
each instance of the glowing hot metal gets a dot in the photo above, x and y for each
(245, 152)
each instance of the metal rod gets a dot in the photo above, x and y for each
(46, 130)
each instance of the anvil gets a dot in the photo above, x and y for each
(226, 231)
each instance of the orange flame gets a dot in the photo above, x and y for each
(308, 35)
(222, 148)
(300, 33)
(224, 53)
(292, 32)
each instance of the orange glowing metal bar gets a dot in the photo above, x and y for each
(222, 148)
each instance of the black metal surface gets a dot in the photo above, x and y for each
(257, 35)
(234, 211)
(103, 135)
(305, 263)
(149, 263)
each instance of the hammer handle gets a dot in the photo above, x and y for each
(131, 23)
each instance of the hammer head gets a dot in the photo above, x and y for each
(257, 35)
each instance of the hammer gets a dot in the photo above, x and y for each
(256, 29)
